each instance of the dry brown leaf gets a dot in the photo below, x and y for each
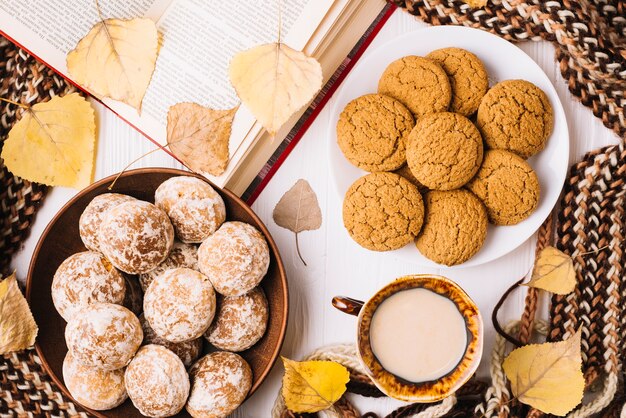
(54, 143)
(547, 376)
(116, 59)
(274, 81)
(476, 4)
(199, 136)
(312, 386)
(298, 210)
(18, 329)
(554, 272)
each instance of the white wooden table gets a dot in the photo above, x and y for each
(336, 264)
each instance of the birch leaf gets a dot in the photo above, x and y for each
(199, 136)
(312, 386)
(274, 81)
(116, 59)
(554, 272)
(17, 325)
(298, 210)
(547, 376)
(54, 143)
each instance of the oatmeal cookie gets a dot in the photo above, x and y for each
(515, 115)
(508, 186)
(445, 151)
(468, 78)
(372, 132)
(455, 227)
(418, 83)
(383, 211)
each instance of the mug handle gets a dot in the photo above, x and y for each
(347, 305)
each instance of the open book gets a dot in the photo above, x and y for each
(198, 38)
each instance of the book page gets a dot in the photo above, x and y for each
(198, 39)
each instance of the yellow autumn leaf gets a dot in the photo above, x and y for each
(312, 386)
(475, 4)
(116, 59)
(17, 326)
(274, 81)
(54, 143)
(547, 376)
(554, 272)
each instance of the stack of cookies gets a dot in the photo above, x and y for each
(144, 299)
(446, 153)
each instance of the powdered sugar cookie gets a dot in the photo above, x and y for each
(157, 382)
(136, 236)
(94, 388)
(182, 255)
(235, 258)
(195, 208)
(92, 217)
(85, 278)
(220, 382)
(240, 321)
(104, 336)
(180, 304)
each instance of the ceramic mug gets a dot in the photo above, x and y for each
(395, 386)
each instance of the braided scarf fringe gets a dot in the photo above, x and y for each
(589, 37)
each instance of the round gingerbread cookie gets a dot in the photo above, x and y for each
(92, 217)
(418, 83)
(182, 255)
(455, 227)
(515, 115)
(372, 132)
(240, 321)
(180, 304)
(157, 382)
(508, 186)
(188, 351)
(445, 151)
(383, 211)
(194, 207)
(96, 389)
(468, 78)
(85, 278)
(235, 258)
(104, 336)
(220, 382)
(136, 236)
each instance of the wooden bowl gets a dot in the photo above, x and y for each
(61, 239)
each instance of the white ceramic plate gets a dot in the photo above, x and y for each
(503, 61)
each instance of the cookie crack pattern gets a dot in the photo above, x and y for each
(455, 227)
(508, 187)
(372, 132)
(420, 84)
(383, 211)
(517, 116)
(444, 151)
